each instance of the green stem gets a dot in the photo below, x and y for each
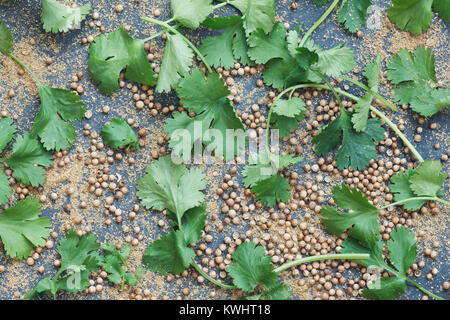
(389, 123)
(398, 132)
(269, 115)
(220, 5)
(156, 35)
(318, 22)
(415, 199)
(431, 294)
(186, 40)
(373, 109)
(26, 68)
(343, 256)
(376, 94)
(210, 279)
(330, 87)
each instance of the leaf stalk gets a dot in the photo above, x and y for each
(168, 27)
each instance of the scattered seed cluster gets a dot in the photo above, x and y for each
(288, 232)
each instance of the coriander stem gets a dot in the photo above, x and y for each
(398, 132)
(330, 87)
(170, 20)
(389, 123)
(376, 94)
(318, 22)
(210, 279)
(220, 5)
(186, 40)
(343, 256)
(415, 199)
(373, 109)
(26, 68)
(153, 36)
(424, 290)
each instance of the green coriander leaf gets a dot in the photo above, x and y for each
(257, 14)
(402, 254)
(170, 186)
(229, 47)
(78, 255)
(372, 73)
(361, 114)
(383, 288)
(27, 153)
(6, 39)
(123, 254)
(21, 229)
(5, 190)
(443, 8)
(263, 47)
(402, 249)
(276, 72)
(118, 134)
(272, 190)
(175, 64)
(428, 101)
(287, 114)
(292, 41)
(7, 129)
(390, 288)
(132, 279)
(260, 171)
(169, 254)
(361, 218)
(115, 264)
(78, 251)
(192, 224)
(335, 61)
(208, 98)
(415, 77)
(289, 108)
(112, 52)
(411, 15)
(287, 160)
(353, 14)
(400, 187)
(427, 180)
(176, 126)
(57, 106)
(251, 267)
(293, 65)
(357, 148)
(412, 66)
(44, 285)
(190, 13)
(114, 268)
(79, 259)
(285, 125)
(281, 73)
(304, 59)
(280, 291)
(376, 259)
(267, 165)
(57, 17)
